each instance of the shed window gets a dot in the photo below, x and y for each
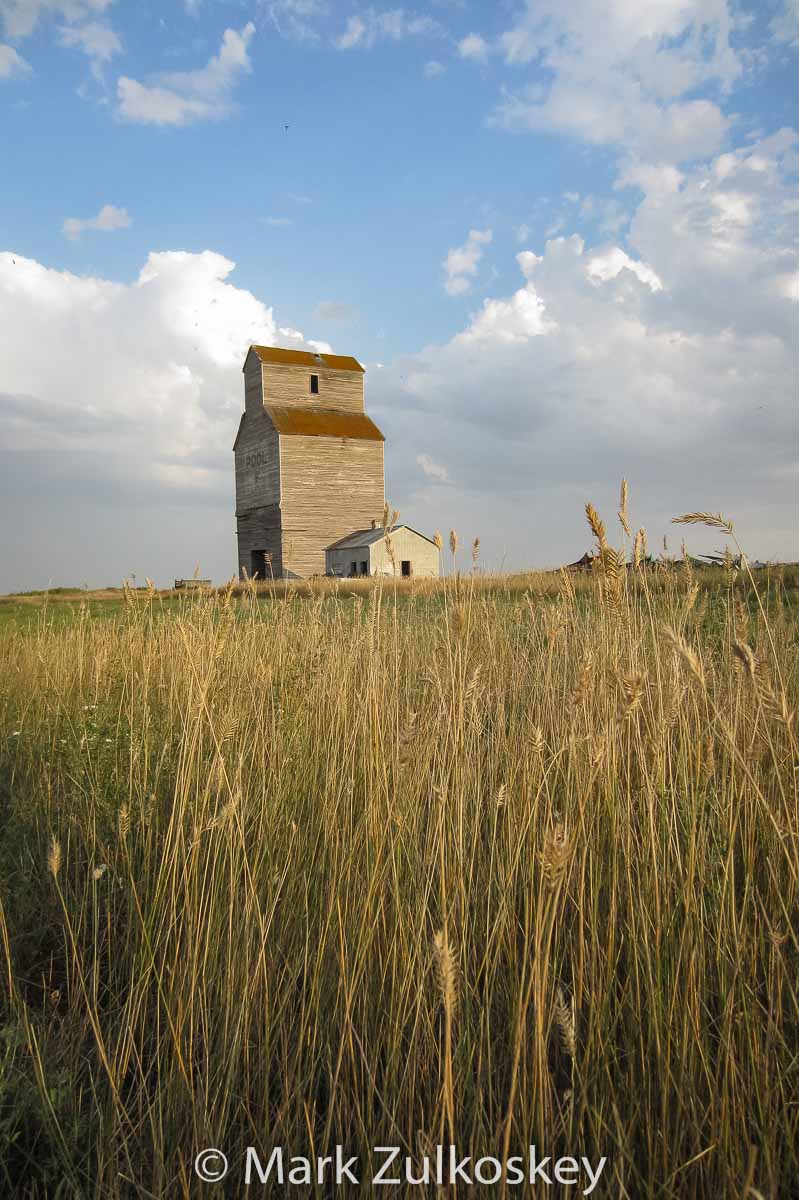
(406, 566)
(364, 568)
(314, 385)
(353, 568)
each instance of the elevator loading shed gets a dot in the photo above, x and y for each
(400, 552)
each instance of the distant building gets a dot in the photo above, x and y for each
(400, 552)
(309, 462)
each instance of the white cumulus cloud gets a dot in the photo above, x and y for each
(181, 97)
(108, 218)
(671, 360)
(135, 403)
(461, 263)
(607, 264)
(624, 73)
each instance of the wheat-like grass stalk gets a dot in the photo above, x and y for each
(584, 680)
(712, 520)
(685, 653)
(564, 1016)
(746, 656)
(623, 521)
(556, 854)
(632, 687)
(54, 857)
(596, 525)
(447, 970)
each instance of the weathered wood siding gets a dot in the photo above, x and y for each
(329, 487)
(257, 463)
(405, 544)
(259, 530)
(253, 383)
(284, 384)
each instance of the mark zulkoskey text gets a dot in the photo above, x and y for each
(443, 1166)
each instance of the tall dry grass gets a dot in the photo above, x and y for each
(431, 864)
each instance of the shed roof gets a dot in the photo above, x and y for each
(323, 422)
(367, 537)
(306, 358)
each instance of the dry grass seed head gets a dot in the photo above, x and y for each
(632, 687)
(597, 526)
(447, 970)
(745, 655)
(623, 509)
(54, 857)
(690, 599)
(473, 682)
(583, 681)
(567, 584)
(712, 520)
(123, 822)
(687, 655)
(708, 761)
(564, 1016)
(556, 854)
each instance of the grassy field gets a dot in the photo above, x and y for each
(482, 862)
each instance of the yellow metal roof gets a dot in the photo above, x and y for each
(306, 358)
(323, 422)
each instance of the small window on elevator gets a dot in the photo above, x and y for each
(314, 385)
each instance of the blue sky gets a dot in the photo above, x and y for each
(562, 240)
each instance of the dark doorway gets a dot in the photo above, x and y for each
(406, 567)
(258, 565)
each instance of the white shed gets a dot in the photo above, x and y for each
(400, 551)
